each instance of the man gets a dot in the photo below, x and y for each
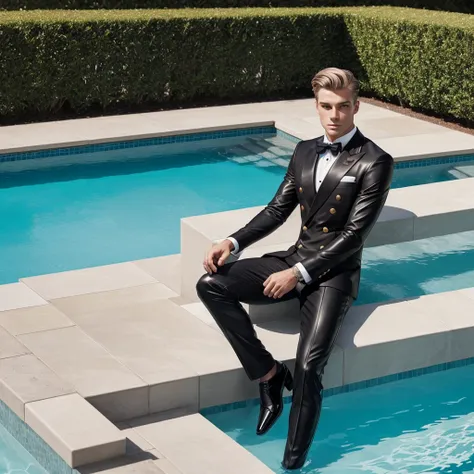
(340, 181)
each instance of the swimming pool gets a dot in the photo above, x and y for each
(420, 267)
(14, 458)
(422, 424)
(64, 210)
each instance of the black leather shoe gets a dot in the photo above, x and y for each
(271, 398)
(290, 463)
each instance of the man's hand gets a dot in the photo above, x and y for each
(217, 255)
(280, 283)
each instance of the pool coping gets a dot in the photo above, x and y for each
(403, 136)
(351, 387)
(198, 136)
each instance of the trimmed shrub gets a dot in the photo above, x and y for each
(87, 58)
(80, 59)
(462, 6)
(424, 60)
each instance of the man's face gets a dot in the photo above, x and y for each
(336, 111)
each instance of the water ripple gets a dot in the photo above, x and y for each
(440, 445)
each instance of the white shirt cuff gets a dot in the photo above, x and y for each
(236, 245)
(302, 269)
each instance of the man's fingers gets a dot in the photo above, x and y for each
(212, 260)
(269, 280)
(209, 263)
(280, 292)
(212, 265)
(272, 288)
(268, 289)
(204, 264)
(207, 267)
(276, 291)
(223, 258)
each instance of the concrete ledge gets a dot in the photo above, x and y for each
(380, 340)
(375, 340)
(88, 280)
(75, 430)
(25, 379)
(91, 370)
(195, 446)
(18, 295)
(409, 214)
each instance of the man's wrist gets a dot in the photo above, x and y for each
(231, 244)
(297, 274)
(235, 245)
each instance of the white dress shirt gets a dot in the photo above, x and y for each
(325, 163)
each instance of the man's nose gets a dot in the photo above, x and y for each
(334, 114)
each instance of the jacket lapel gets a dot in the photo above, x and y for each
(351, 154)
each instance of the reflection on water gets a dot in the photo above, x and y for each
(417, 268)
(424, 424)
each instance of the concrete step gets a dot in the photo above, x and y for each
(375, 340)
(261, 152)
(467, 171)
(25, 379)
(175, 355)
(273, 154)
(195, 446)
(276, 145)
(166, 270)
(75, 429)
(91, 370)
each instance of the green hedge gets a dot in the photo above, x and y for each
(54, 60)
(463, 6)
(423, 60)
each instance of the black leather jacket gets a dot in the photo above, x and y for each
(337, 219)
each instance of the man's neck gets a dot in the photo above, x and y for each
(339, 137)
(344, 139)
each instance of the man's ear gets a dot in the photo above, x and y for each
(356, 106)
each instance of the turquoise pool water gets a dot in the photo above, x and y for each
(417, 425)
(421, 267)
(69, 212)
(14, 458)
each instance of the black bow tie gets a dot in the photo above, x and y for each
(334, 148)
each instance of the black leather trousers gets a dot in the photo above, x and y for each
(322, 310)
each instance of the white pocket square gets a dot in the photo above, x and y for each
(348, 179)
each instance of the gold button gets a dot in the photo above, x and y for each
(302, 207)
(300, 245)
(305, 228)
(338, 197)
(301, 190)
(332, 210)
(322, 246)
(325, 230)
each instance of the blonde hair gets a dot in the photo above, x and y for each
(333, 78)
